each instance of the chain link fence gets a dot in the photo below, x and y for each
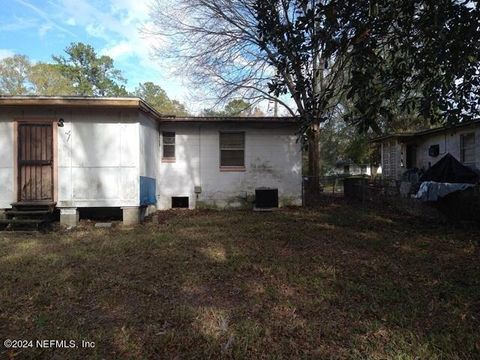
(358, 187)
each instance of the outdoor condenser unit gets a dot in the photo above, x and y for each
(266, 198)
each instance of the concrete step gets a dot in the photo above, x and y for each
(28, 215)
(33, 203)
(22, 221)
(28, 212)
(33, 206)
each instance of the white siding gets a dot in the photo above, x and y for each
(149, 147)
(98, 156)
(7, 195)
(98, 159)
(393, 159)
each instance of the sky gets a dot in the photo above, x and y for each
(40, 28)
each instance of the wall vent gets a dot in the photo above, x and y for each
(180, 202)
(266, 198)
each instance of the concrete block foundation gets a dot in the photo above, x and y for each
(69, 217)
(132, 215)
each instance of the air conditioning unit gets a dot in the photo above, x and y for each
(266, 198)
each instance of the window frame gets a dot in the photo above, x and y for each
(231, 168)
(168, 159)
(462, 148)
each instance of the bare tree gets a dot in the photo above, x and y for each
(265, 49)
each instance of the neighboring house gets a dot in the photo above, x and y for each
(347, 167)
(83, 152)
(422, 149)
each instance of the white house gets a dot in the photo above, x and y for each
(348, 167)
(422, 149)
(83, 152)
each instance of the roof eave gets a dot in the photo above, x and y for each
(424, 132)
(81, 101)
(131, 103)
(233, 119)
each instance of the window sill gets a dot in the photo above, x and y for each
(168, 160)
(232, 168)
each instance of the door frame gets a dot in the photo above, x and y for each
(16, 173)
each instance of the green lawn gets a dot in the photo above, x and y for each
(337, 281)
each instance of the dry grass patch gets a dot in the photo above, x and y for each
(337, 281)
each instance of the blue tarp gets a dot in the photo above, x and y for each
(147, 191)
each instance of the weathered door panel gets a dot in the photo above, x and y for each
(35, 162)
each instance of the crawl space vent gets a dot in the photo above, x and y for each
(266, 198)
(180, 202)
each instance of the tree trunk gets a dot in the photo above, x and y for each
(314, 159)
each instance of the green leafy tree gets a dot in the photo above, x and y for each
(48, 80)
(342, 141)
(236, 107)
(179, 109)
(268, 49)
(418, 58)
(157, 97)
(89, 73)
(212, 112)
(421, 54)
(14, 73)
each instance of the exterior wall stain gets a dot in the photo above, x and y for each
(262, 166)
(103, 152)
(272, 159)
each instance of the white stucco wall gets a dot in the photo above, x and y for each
(97, 156)
(180, 178)
(449, 142)
(272, 159)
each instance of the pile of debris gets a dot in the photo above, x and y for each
(452, 188)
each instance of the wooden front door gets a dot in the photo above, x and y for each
(35, 162)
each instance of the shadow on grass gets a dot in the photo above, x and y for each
(332, 282)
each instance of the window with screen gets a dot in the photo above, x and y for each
(168, 145)
(467, 148)
(232, 149)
